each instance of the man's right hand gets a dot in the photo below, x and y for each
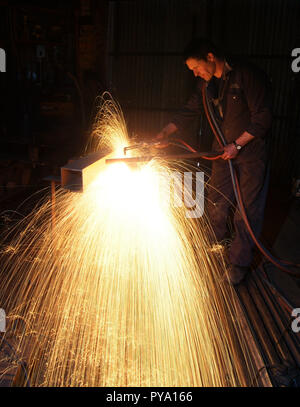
(160, 143)
(162, 136)
(161, 140)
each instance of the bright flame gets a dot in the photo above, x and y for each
(123, 291)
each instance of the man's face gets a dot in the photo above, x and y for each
(200, 67)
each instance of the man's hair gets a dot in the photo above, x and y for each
(198, 48)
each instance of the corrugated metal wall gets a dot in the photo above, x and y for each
(149, 79)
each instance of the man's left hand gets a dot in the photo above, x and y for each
(230, 152)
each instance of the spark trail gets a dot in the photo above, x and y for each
(124, 291)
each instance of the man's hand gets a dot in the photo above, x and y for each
(161, 140)
(230, 152)
(162, 136)
(161, 144)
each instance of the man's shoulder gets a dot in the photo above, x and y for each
(244, 69)
(245, 66)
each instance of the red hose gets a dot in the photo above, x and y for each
(185, 144)
(241, 204)
(178, 140)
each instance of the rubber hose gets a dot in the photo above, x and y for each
(236, 187)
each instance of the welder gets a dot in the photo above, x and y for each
(239, 95)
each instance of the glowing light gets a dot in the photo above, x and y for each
(123, 291)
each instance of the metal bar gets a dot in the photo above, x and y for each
(269, 317)
(253, 345)
(263, 329)
(269, 354)
(281, 321)
(188, 156)
(78, 174)
(263, 361)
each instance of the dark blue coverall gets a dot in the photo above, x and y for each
(241, 102)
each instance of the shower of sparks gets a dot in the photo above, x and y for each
(124, 291)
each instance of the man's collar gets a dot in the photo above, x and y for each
(226, 69)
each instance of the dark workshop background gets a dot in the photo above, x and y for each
(62, 54)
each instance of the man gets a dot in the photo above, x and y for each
(239, 96)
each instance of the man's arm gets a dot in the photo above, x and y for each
(230, 151)
(244, 139)
(257, 92)
(185, 116)
(169, 129)
(256, 87)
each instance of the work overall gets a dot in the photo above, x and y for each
(251, 168)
